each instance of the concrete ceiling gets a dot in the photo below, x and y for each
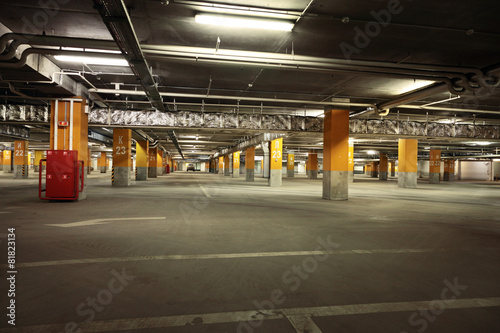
(461, 37)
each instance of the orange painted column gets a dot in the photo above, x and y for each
(69, 131)
(39, 154)
(236, 164)
(250, 164)
(159, 162)
(21, 162)
(122, 153)
(152, 171)
(290, 165)
(407, 163)
(89, 161)
(221, 165)
(350, 163)
(1, 160)
(313, 165)
(383, 167)
(276, 165)
(434, 166)
(141, 159)
(449, 170)
(227, 160)
(336, 154)
(102, 162)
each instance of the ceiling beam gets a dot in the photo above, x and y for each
(115, 16)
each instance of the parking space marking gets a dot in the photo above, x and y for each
(242, 317)
(103, 221)
(205, 192)
(227, 256)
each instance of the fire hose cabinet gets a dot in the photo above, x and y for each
(64, 177)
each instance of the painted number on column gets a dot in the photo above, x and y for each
(121, 150)
(19, 152)
(277, 152)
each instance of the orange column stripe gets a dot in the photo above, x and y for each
(336, 140)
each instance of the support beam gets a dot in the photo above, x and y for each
(313, 165)
(227, 160)
(122, 144)
(102, 163)
(21, 163)
(221, 165)
(141, 159)
(276, 167)
(236, 164)
(250, 164)
(290, 165)
(407, 163)
(434, 166)
(152, 170)
(335, 154)
(383, 167)
(350, 165)
(449, 170)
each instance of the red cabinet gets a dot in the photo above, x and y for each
(64, 177)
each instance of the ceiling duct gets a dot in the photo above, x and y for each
(115, 15)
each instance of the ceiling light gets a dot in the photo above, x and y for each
(92, 60)
(371, 152)
(244, 22)
(197, 137)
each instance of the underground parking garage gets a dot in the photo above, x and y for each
(249, 166)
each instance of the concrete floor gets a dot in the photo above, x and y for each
(195, 252)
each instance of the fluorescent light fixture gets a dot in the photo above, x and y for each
(92, 60)
(371, 152)
(404, 87)
(244, 22)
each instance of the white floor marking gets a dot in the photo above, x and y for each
(303, 324)
(205, 192)
(246, 316)
(222, 256)
(103, 221)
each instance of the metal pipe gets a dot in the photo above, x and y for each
(71, 107)
(56, 128)
(234, 98)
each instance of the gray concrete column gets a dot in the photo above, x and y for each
(121, 177)
(21, 171)
(152, 172)
(142, 173)
(103, 169)
(407, 179)
(290, 173)
(275, 178)
(250, 175)
(265, 164)
(335, 185)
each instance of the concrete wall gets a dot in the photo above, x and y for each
(474, 170)
(496, 168)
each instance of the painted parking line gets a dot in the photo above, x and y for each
(247, 316)
(103, 221)
(225, 256)
(205, 192)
